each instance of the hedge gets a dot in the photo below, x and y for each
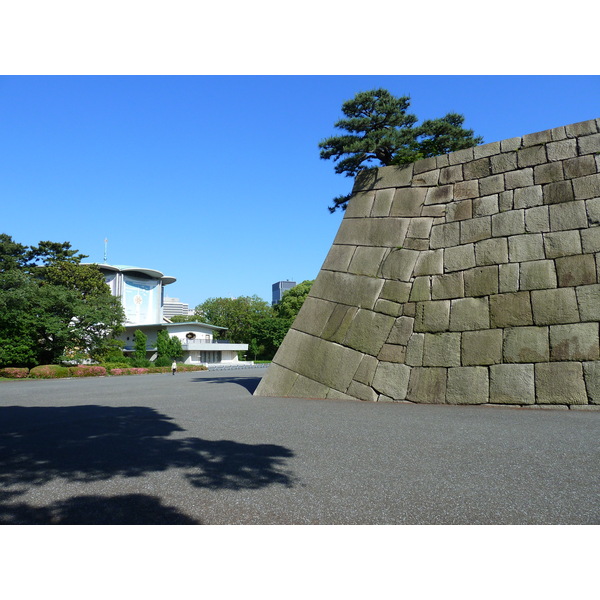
(56, 371)
(49, 372)
(87, 371)
(14, 372)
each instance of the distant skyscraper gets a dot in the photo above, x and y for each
(279, 288)
(173, 307)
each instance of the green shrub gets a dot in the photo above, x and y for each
(163, 361)
(140, 363)
(116, 365)
(49, 372)
(14, 372)
(87, 371)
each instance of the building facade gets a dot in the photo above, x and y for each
(279, 288)
(142, 295)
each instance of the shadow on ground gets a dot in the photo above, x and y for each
(249, 383)
(126, 509)
(95, 443)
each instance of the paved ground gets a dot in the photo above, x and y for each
(198, 448)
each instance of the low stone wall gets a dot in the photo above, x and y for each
(468, 278)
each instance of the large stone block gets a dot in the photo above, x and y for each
(445, 235)
(432, 316)
(528, 197)
(369, 331)
(399, 264)
(526, 247)
(396, 291)
(481, 281)
(508, 278)
(331, 364)
(360, 205)
(391, 379)
(538, 275)
(587, 187)
(557, 192)
(459, 210)
(382, 203)
(304, 387)
(389, 232)
(447, 286)
(590, 240)
(441, 350)
(507, 223)
(427, 385)
(475, 230)
(511, 310)
(467, 314)
(459, 258)
(491, 185)
(345, 288)
(578, 341)
(548, 173)
(408, 202)
(570, 215)
(537, 219)
(560, 383)
(491, 252)
(420, 227)
(339, 257)
(517, 179)
(314, 316)
(361, 391)
(576, 270)
(591, 371)
(421, 289)
(338, 323)
(553, 307)
(481, 347)
(467, 385)
(512, 384)
(430, 262)
(562, 243)
(367, 260)
(588, 300)
(278, 381)
(414, 350)
(383, 177)
(526, 345)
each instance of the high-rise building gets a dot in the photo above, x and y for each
(279, 288)
(173, 307)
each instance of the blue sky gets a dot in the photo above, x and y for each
(217, 180)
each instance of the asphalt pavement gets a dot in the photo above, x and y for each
(199, 448)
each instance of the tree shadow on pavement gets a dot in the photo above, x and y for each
(95, 443)
(126, 509)
(250, 383)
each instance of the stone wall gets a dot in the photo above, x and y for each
(468, 278)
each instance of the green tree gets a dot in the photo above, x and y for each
(140, 341)
(237, 315)
(379, 132)
(52, 307)
(175, 348)
(292, 300)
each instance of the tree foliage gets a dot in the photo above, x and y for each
(251, 320)
(51, 307)
(378, 131)
(168, 347)
(237, 315)
(292, 300)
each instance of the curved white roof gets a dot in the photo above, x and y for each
(166, 279)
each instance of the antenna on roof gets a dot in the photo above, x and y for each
(105, 248)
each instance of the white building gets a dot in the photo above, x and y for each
(173, 307)
(142, 296)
